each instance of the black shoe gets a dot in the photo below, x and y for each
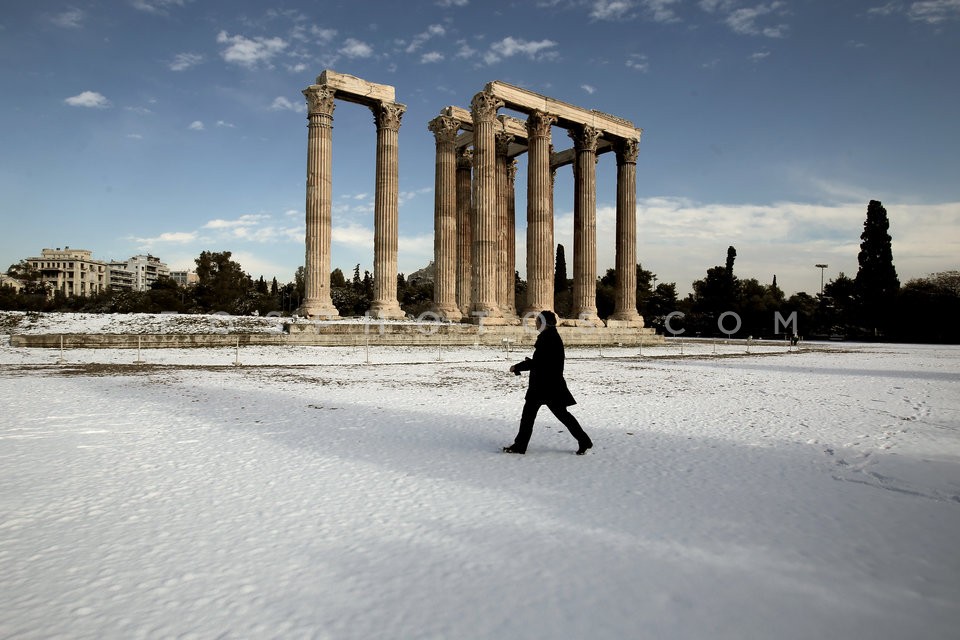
(583, 448)
(513, 449)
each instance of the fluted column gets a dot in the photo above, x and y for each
(505, 279)
(585, 223)
(386, 233)
(445, 129)
(625, 296)
(464, 231)
(483, 108)
(511, 268)
(317, 302)
(539, 214)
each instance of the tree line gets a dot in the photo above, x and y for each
(872, 305)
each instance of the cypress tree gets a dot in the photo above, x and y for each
(560, 271)
(876, 284)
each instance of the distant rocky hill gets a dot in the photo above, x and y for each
(427, 274)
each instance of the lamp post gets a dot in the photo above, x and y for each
(821, 267)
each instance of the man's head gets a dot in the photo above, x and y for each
(547, 319)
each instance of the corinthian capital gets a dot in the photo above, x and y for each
(627, 151)
(319, 100)
(464, 158)
(539, 123)
(503, 140)
(387, 115)
(585, 138)
(484, 107)
(444, 128)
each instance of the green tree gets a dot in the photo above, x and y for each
(714, 295)
(606, 293)
(645, 280)
(562, 296)
(838, 307)
(876, 281)
(222, 284)
(927, 307)
(165, 295)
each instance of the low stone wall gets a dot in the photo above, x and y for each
(333, 334)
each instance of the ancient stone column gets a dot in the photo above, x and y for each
(585, 223)
(504, 232)
(484, 305)
(539, 214)
(625, 296)
(386, 233)
(510, 308)
(445, 130)
(464, 231)
(317, 302)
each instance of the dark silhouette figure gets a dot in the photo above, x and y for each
(547, 387)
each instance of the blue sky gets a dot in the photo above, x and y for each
(178, 126)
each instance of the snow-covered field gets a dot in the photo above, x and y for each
(321, 492)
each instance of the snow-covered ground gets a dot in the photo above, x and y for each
(321, 492)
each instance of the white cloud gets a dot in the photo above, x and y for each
(465, 50)
(886, 10)
(433, 56)
(250, 52)
(758, 56)
(226, 125)
(588, 88)
(712, 6)
(134, 136)
(434, 30)
(281, 103)
(323, 36)
(353, 48)
(638, 62)
(661, 10)
(246, 220)
(679, 239)
(196, 125)
(70, 19)
(183, 61)
(452, 3)
(171, 237)
(934, 11)
(353, 235)
(160, 7)
(610, 9)
(510, 46)
(745, 20)
(89, 99)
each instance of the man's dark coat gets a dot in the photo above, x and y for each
(547, 385)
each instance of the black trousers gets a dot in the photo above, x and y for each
(529, 415)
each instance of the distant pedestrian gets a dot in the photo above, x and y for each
(547, 387)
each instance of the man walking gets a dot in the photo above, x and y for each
(547, 387)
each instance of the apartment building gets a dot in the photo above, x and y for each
(185, 278)
(73, 272)
(137, 273)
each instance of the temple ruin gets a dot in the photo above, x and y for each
(474, 212)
